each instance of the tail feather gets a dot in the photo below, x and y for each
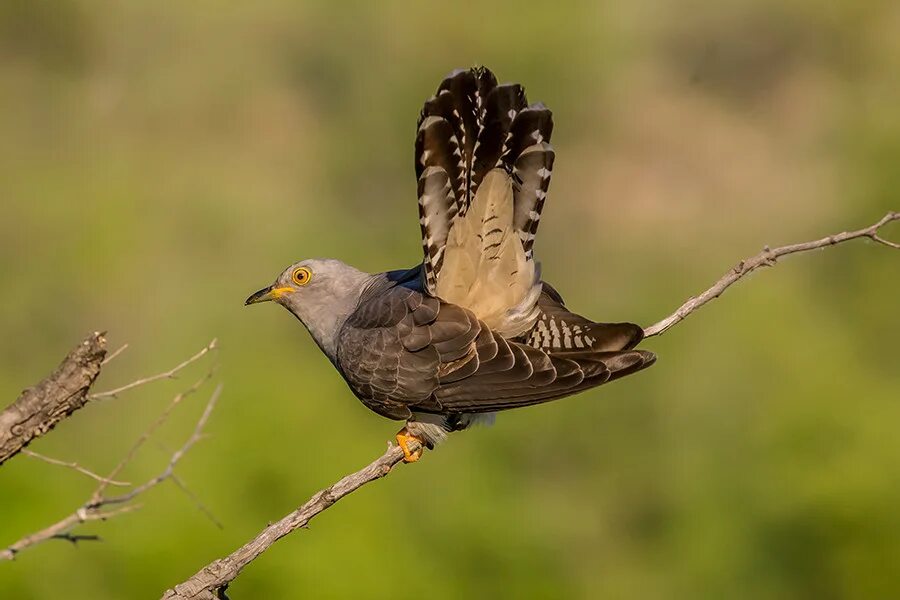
(564, 333)
(469, 129)
(503, 105)
(532, 172)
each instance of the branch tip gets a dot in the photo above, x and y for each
(769, 258)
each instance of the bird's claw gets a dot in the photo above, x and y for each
(403, 440)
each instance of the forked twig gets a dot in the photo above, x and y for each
(75, 466)
(163, 417)
(768, 258)
(170, 374)
(97, 507)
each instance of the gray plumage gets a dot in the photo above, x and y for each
(473, 330)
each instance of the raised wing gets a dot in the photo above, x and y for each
(483, 163)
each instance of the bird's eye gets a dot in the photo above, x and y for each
(301, 275)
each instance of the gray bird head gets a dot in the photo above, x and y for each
(321, 292)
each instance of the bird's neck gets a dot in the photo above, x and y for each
(324, 332)
(324, 319)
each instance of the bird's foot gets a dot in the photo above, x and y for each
(404, 437)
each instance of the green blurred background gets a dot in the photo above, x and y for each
(159, 161)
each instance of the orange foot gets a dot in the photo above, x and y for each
(403, 440)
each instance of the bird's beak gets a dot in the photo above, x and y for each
(269, 293)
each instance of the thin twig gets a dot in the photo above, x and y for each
(77, 537)
(93, 509)
(170, 374)
(76, 467)
(211, 581)
(196, 436)
(109, 358)
(98, 493)
(193, 498)
(768, 258)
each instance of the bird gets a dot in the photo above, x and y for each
(473, 329)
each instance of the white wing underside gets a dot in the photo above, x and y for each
(485, 267)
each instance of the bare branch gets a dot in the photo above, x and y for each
(193, 498)
(177, 456)
(93, 509)
(61, 528)
(170, 374)
(74, 538)
(211, 581)
(887, 243)
(76, 467)
(112, 356)
(98, 493)
(768, 258)
(39, 408)
(42, 406)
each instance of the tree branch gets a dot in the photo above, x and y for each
(768, 258)
(42, 406)
(211, 582)
(75, 467)
(98, 493)
(170, 374)
(72, 380)
(93, 508)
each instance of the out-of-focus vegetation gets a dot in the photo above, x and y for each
(159, 161)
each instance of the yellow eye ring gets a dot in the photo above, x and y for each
(301, 275)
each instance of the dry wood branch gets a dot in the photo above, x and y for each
(42, 406)
(112, 356)
(170, 374)
(210, 582)
(98, 493)
(169, 471)
(75, 467)
(768, 258)
(96, 507)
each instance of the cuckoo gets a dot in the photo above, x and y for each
(473, 329)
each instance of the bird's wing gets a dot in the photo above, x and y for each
(560, 331)
(483, 163)
(403, 350)
(563, 354)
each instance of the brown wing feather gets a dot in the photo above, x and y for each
(403, 350)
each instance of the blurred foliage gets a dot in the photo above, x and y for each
(159, 161)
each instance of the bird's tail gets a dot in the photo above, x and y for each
(473, 132)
